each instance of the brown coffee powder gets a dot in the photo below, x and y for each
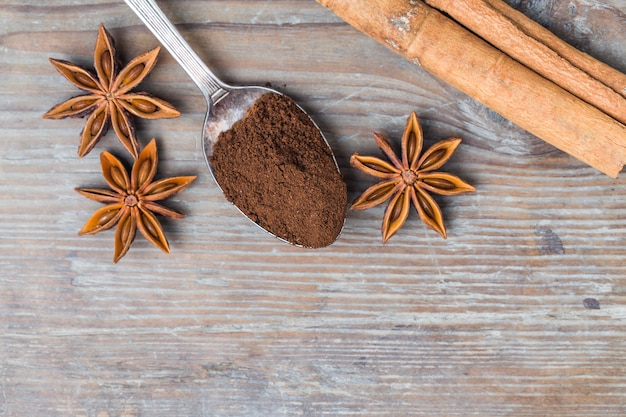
(275, 166)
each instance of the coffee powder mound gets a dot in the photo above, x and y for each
(275, 166)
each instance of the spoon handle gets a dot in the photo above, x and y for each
(160, 26)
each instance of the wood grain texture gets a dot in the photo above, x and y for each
(520, 312)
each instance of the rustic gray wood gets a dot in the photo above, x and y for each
(520, 312)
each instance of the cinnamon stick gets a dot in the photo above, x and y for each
(441, 46)
(598, 69)
(522, 41)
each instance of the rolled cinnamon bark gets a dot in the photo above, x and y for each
(597, 69)
(443, 47)
(522, 41)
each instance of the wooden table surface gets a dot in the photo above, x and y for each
(520, 312)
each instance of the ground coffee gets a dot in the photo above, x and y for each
(275, 166)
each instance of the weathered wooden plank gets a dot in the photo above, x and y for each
(497, 320)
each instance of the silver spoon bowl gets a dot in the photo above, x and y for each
(226, 104)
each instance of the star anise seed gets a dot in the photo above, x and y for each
(131, 203)
(109, 100)
(408, 179)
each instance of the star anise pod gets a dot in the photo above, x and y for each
(131, 203)
(409, 179)
(109, 99)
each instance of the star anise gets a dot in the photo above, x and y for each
(109, 99)
(131, 203)
(409, 179)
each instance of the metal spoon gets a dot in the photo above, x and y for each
(226, 104)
